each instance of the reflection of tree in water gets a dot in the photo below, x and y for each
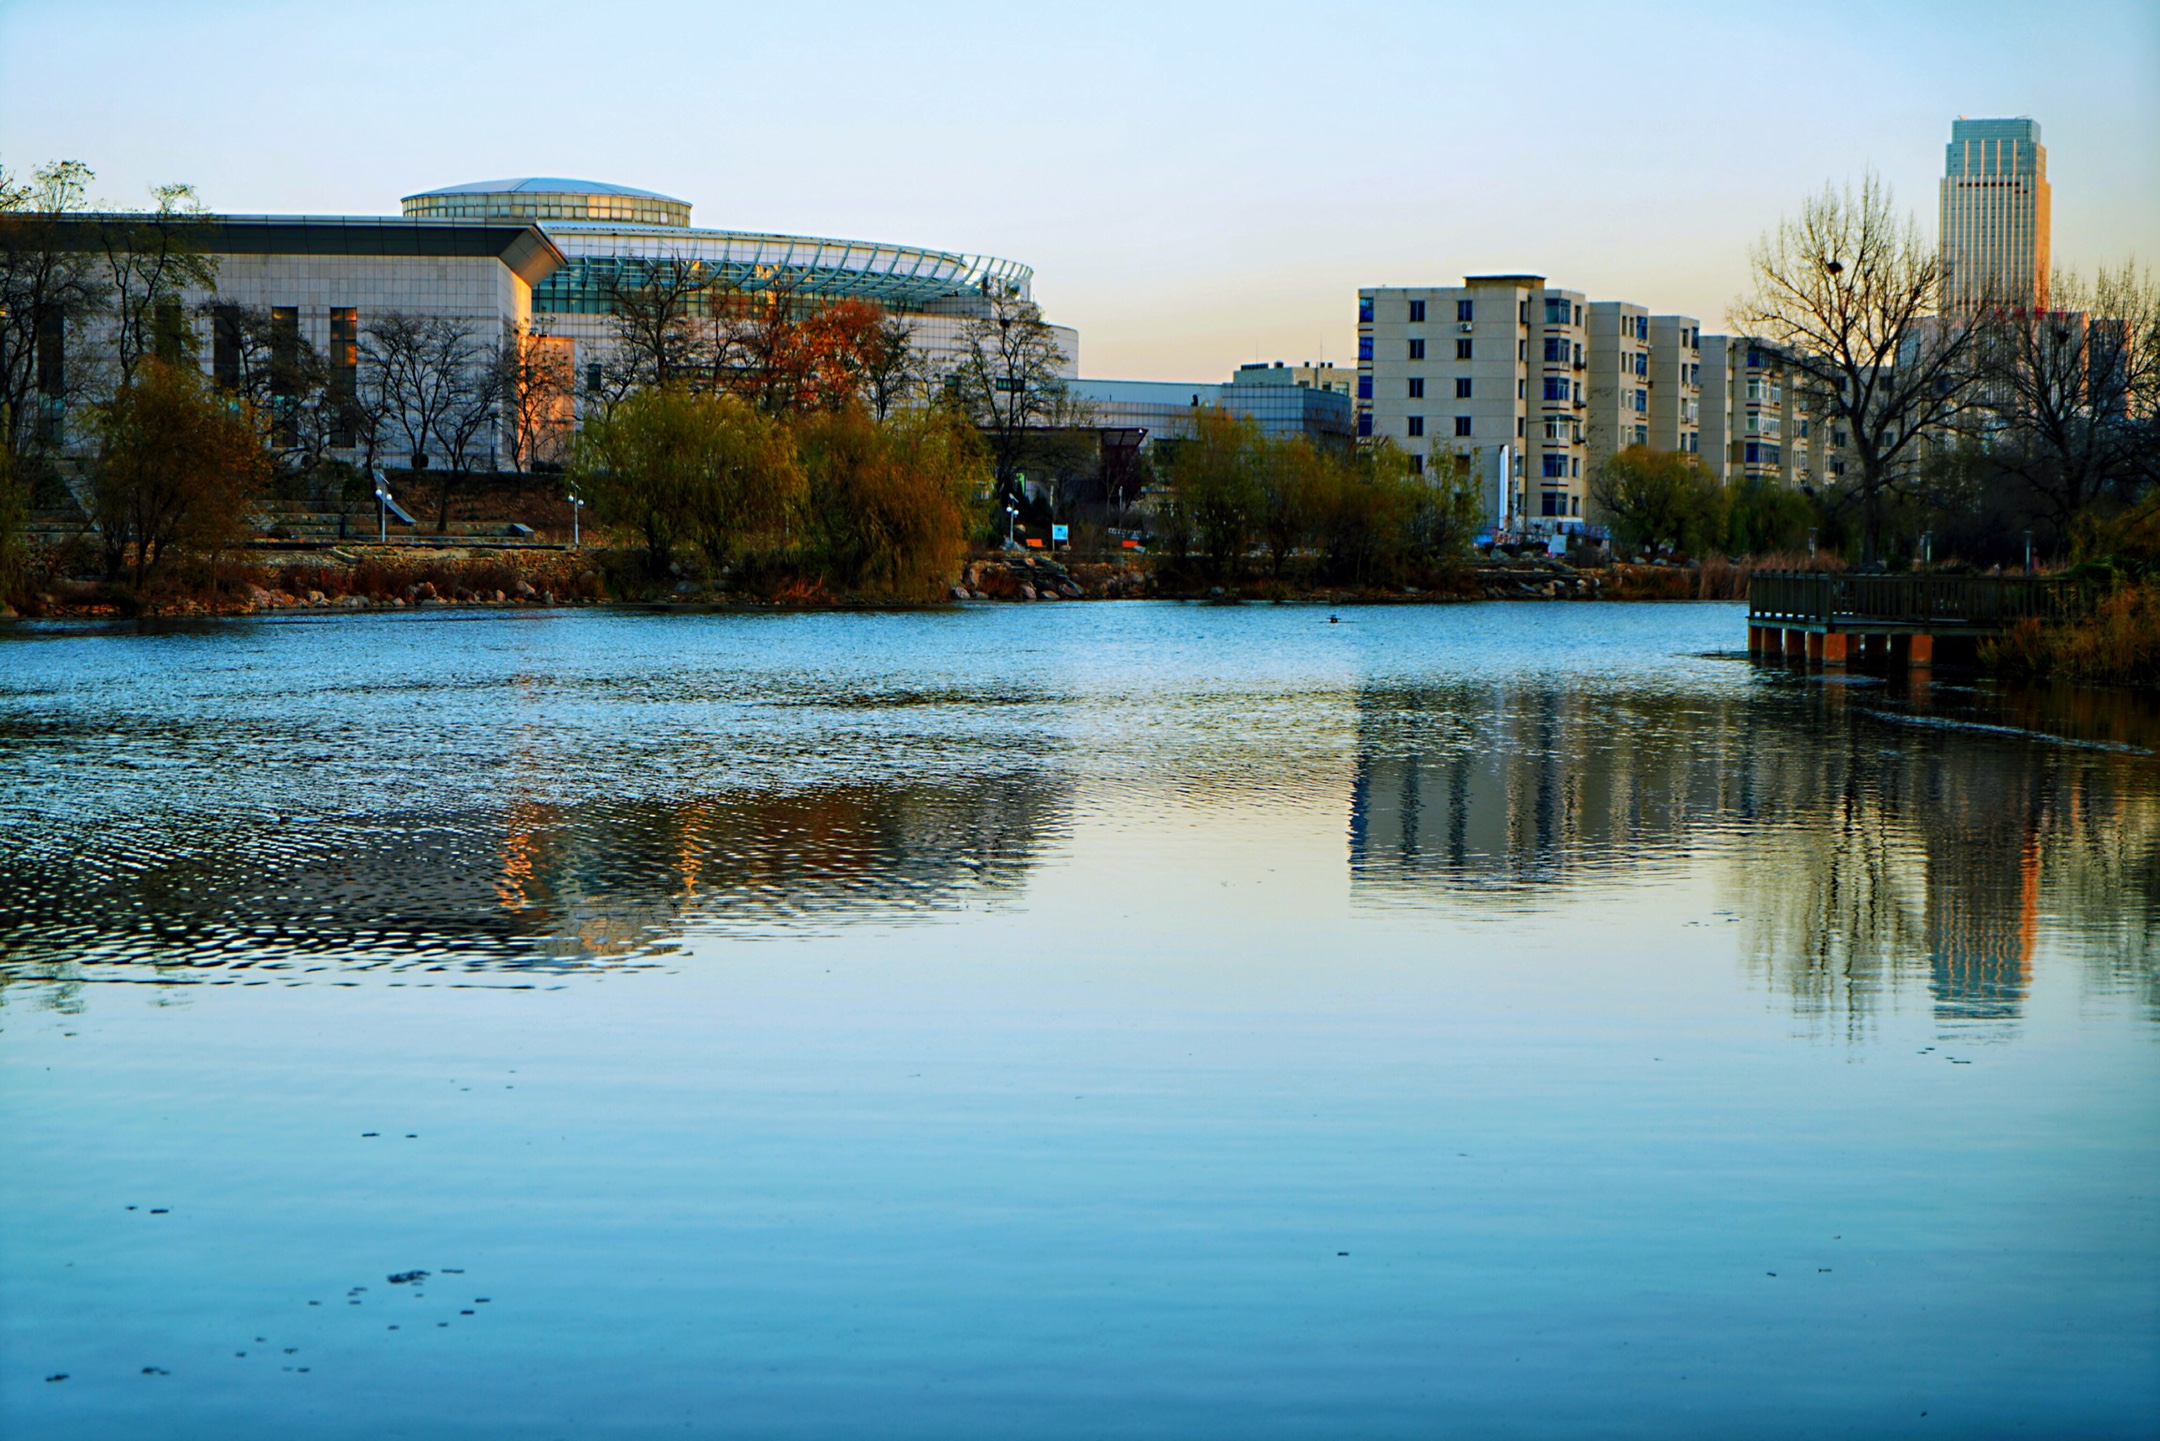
(538, 884)
(1862, 856)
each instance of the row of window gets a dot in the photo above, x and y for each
(1465, 310)
(1417, 426)
(1558, 311)
(1416, 387)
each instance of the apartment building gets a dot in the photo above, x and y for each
(1619, 386)
(1762, 420)
(1676, 384)
(1492, 370)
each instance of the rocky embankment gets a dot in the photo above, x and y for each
(1034, 577)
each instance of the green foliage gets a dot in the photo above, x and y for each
(889, 504)
(177, 467)
(1220, 485)
(1359, 519)
(1764, 517)
(873, 509)
(680, 467)
(1660, 498)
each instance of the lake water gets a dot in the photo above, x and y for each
(1120, 1020)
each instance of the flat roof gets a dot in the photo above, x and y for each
(525, 249)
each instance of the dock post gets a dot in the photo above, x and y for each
(1920, 651)
(1835, 647)
(1754, 640)
(1815, 639)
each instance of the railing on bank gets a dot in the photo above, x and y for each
(1918, 602)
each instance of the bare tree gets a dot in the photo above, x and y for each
(892, 368)
(49, 288)
(2071, 392)
(433, 380)
(151, 260)
(535, 388)
(664, 314)
(1010, 380)
(1853, 296)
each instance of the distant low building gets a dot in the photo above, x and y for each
(1309, 401)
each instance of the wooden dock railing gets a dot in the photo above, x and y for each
(1934, 604)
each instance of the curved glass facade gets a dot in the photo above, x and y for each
(612, 235)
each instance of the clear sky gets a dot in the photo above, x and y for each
(1195, 185)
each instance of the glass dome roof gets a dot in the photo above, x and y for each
(548, 197)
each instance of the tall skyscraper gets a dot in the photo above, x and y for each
(1995, 214)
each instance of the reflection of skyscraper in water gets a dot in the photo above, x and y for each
(1983, 897)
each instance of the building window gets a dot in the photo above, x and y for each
(1417, 312)
(225, 346)
(1642, 402)
(1364, 348)
(1574, 505)
(1557, 311)
(1364, 422)
(1552, 502)
(1753, 453)
(1555, 350)
(1417, 350)
(1462, 425)
(1556, 387)
(51, 330)
(1522, 389)
(1364, 310)
(284, 373)
(1417, 465)
(1518, 427)
(344, 372)
(1462, 387)
(1417, 425)
(1417, 387)
(1462, 350)
(1555, 467)
(1364, 387)
(1575, 466)
(1465, 310)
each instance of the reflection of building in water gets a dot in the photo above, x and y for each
(1860, 859)
(541, 882)
(1983, 911)
(1528, 788)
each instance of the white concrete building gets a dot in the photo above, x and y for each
(1494, 371)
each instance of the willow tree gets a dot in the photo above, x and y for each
(1853, 298)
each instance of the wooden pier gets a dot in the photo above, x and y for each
(1822, 618)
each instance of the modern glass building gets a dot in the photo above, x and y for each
(611, 235)
(1995, 215)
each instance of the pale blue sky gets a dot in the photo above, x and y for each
(1195, 185)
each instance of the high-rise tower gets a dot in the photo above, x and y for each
(1995, 215)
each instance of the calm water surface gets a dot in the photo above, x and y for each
(1117, 1020)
